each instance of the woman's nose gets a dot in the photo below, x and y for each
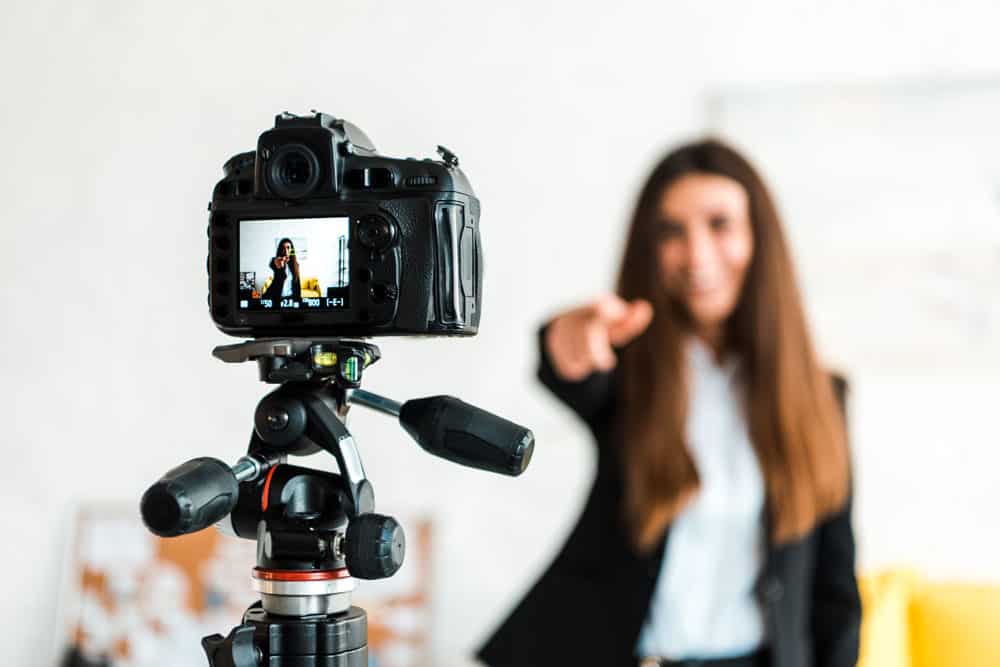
(700, 250)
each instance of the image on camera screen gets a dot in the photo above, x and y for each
(294, 263)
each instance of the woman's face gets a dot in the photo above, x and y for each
(286, 249)
(706, 244)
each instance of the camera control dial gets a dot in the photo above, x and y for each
(376, 232)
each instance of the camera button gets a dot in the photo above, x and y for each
(380, 293)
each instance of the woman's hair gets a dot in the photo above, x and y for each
(792, 413)
(293, 260)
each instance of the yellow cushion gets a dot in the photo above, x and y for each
(885, 638)
(309, 287)
(955, 625)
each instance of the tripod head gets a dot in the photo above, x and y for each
(315, 531)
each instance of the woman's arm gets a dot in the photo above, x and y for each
(836, 605)
(588, 397)
(836, 608)
(577, 351)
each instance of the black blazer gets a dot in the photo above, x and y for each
(589, 606)
(278, 283)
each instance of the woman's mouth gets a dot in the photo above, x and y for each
(703, 285)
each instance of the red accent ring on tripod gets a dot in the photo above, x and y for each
(267, 488)
(300, 575)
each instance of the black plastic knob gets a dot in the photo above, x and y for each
(236, 650)
(192, 496)
(452, 429)
(374, 547)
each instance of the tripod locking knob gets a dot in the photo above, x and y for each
(374, 547)
(236, 650)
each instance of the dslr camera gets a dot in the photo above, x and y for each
(317, 234)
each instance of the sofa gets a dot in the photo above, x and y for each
(309, 286)
(912, 621)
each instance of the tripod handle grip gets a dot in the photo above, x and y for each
(192, 496)
(452, 429)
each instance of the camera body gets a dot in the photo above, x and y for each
(317, 234)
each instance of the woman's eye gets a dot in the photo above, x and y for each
(671, 230)
(718, 222)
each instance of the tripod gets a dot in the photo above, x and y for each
(316, 531)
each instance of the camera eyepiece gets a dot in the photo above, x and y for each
(293, 171)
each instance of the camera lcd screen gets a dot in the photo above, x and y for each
(294, 264)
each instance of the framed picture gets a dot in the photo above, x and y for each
(136, 600)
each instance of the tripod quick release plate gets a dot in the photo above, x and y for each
(299, 359)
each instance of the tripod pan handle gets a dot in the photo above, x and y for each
(454, 430)
(192, 496)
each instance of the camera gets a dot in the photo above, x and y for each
(317, 234)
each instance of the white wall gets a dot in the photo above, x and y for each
(115, 121)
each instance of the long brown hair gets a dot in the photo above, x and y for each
(793, 418)
(293, 260)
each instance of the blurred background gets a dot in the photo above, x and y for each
(874, 122)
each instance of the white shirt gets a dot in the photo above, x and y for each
(704, 605)
(286, 287)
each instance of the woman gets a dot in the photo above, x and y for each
(285, 279)
(717, 531)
